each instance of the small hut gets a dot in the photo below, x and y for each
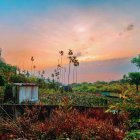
(22, 92)
(25, 92)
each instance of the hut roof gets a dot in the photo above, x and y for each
(25, 84)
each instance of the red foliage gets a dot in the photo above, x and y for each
(76, 125)
(114, 119)
(69, 124)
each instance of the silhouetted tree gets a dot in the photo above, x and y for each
(74, 62)
(61, 68)
(32, 60)
(76, 66)
(34, 67)
(70, 53)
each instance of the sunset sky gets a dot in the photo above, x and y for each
(100, 32)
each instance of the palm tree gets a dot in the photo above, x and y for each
(34, 67)
(59, 72)
(32, 60)
(70, 53)
(61, 69)
(61, 53)
(74, 64)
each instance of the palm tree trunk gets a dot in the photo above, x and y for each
(31, 67)
(73, 74)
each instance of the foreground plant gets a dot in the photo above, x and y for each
(64, 123)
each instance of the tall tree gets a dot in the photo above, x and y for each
(74, 64)
(32, 60)
(61, 69)
(70, 53)
(134, 78)
(34, 67)
(136, 61)
(59, 72)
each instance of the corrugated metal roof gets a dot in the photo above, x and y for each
(25, 84)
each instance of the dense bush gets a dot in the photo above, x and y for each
(20, 78)
(88, 100)
(6, 71)
(98, 87)
(133, 135)
(65, 123)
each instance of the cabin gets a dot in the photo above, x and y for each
(22, 92)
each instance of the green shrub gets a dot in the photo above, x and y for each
(133, 135)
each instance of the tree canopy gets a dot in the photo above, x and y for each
(134, 78)
(6, 71)
(136, 61)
